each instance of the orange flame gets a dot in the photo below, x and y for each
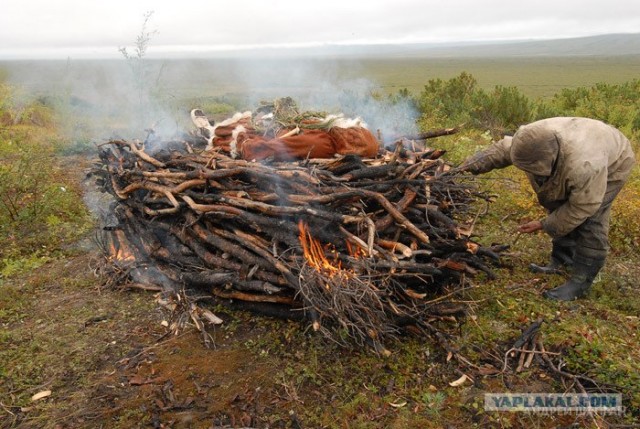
(355, 252)
(314, 253)
(119, 249)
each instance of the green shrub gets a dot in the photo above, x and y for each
(23, 179)
(618, 105)
(40, 204)
(38, 114)
(501, 111)
(447, 103)
(6, 113)
(460, 101)
(625, 218)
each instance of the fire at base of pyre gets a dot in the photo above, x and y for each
(361, 248)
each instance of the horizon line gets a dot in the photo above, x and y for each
(180, 51)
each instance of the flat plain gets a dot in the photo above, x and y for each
(246, 78)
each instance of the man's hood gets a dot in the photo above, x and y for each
(534, 149)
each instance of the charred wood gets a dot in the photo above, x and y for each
(349, 244)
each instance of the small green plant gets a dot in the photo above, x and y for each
(433, 401)
(139, 68)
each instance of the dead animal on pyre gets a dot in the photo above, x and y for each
(299, 215)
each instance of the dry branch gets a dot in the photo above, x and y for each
(357, 245)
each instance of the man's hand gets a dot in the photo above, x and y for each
(529, 227)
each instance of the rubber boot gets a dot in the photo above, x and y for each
(561, 258)
(585, 270)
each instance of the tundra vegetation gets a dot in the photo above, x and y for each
(107, 361)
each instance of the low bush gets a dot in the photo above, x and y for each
(40, 203)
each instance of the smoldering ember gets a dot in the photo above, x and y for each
(295, 214)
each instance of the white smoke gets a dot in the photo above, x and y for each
(96, 99)
(332, 85)
(103, 99)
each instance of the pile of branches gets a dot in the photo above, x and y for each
(363, 249)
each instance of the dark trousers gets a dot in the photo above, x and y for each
(591, 238)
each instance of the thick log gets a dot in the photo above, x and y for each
(140, 153)
(209, 279)
(276, 211)
(402, 205)
(212, 261)
(396, 247)
(373, 172)
(243, 296)
(223, 244)
(279, 311)
(398, 217)
(430, 134)
(267, 258)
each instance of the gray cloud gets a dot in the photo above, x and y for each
(69, 27)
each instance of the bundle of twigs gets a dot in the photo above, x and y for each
(358, 247)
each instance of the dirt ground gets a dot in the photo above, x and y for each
(109, 361)
(112, 363)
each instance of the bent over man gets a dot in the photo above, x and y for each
(577, 167)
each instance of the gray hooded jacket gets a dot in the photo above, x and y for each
(570, 163)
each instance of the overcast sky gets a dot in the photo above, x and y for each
(85, 28)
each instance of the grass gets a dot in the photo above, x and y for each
(535, 77)
(234, 81)
(109, 363)
(597, 335)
